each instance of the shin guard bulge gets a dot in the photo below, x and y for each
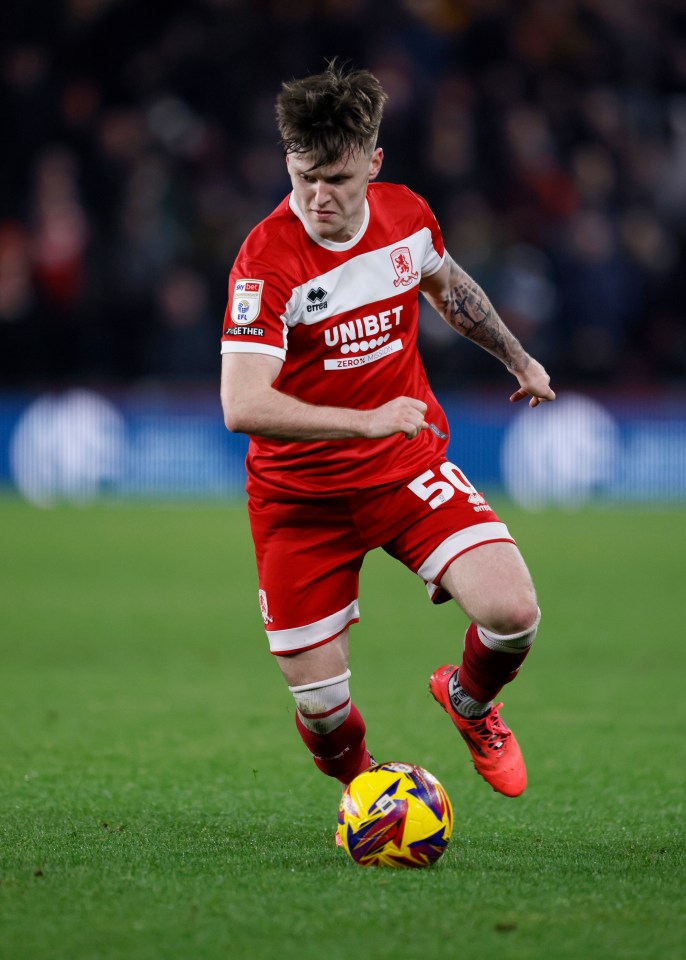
(324, 704)
(491, 659)
(331, 727)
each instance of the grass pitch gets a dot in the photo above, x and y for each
(156, 802)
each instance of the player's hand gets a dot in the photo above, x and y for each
(402, 415)
(534, 382)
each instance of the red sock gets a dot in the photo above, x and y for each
(484, 672)
(341, 753)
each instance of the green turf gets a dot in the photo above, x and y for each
(155, 801)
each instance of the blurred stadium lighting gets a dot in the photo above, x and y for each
(67, 448)
(562, 458)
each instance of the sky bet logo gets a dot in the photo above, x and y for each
(316, 298)
(247, 300)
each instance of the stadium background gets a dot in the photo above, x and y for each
(154, 800)
(550, 138)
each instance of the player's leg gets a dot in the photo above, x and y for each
(493, 586)
(308, 563)
(460, 548)
(327, 720)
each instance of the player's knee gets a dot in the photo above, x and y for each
(514, 631)
(523, 617)
(513, 615)
(324, 705)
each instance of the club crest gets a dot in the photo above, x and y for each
(401, 258)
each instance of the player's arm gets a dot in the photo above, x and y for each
(466, 308)
(252, 405)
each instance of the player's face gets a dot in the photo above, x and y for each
(332, 198)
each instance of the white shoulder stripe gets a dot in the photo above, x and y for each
(365, 279)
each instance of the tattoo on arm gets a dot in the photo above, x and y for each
(469, 311)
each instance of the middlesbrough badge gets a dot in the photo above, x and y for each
(401, 258)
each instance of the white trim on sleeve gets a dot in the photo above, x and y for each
(432, 269)
(243, 347)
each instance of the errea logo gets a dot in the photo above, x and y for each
(316, 296)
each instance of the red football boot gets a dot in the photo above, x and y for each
(494, 749)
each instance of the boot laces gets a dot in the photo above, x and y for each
(491, 729)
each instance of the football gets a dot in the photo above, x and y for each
(395, 815)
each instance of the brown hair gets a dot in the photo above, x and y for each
(330, 115)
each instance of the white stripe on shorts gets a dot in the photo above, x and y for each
(436, 563)
(300, 638)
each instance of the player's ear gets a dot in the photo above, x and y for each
(375, 163)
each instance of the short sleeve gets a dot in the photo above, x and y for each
(255, 317)
(434, 253)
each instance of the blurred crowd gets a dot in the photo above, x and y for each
(140, 147)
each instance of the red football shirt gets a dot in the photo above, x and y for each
(343, 318)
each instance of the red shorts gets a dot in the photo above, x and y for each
(309, 553)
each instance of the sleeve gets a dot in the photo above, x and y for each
(255, 317)
(434, 253)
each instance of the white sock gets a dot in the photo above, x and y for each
(465, 705)
(509, 642)
(323, 705)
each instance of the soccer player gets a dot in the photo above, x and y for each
(348, 444)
